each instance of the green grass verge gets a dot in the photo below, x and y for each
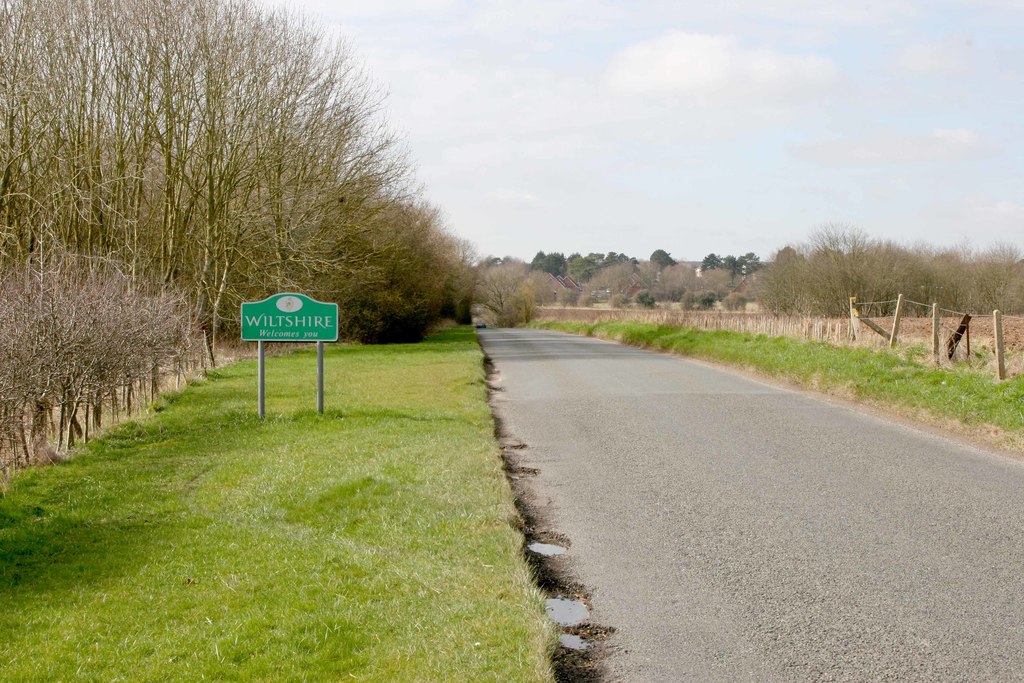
(372, 543)
(904, 379)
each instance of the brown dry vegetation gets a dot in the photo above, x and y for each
(80, 344)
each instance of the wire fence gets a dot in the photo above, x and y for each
(928, 307)
(960, 341)
(950, 332)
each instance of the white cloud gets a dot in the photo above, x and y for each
(832, 12)
(949, 56)
(976, 219)
(990, 209)
(510, 197)
(514, 19)
(839, 14)
(711, 68)
(535, 129)
(942, 144)
(999, 4)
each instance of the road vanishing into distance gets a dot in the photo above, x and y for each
(735, 531)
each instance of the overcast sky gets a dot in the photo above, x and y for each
(697, 127)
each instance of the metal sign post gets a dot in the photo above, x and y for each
(289, 317)
(320, 377)
(261, 398)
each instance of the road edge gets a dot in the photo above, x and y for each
(552, 575)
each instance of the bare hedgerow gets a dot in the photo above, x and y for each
(79, 339)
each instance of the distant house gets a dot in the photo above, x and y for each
(563, 283)
(635, 286)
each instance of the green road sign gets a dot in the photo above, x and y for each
(289, 317)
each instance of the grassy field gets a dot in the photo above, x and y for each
(906, 380)
(372, 543)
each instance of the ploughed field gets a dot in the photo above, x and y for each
(982, 333)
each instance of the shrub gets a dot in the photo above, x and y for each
(735, 302)
(645, 298)
(702, 300)
(568, 297)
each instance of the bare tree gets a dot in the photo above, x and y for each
(505, 293)
(839, 262)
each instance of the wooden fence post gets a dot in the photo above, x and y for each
(962, 330)
(997, 321)
(896, 322)
(935, 333)
(854, 319)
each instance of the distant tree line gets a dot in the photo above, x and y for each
(509, 290)
(813, 278)
(580, 268)
(736, 266)
(613, 276)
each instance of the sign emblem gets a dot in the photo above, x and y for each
(289, 304)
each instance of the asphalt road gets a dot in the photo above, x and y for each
(731, 530)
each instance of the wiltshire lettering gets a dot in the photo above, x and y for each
(322, 321)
